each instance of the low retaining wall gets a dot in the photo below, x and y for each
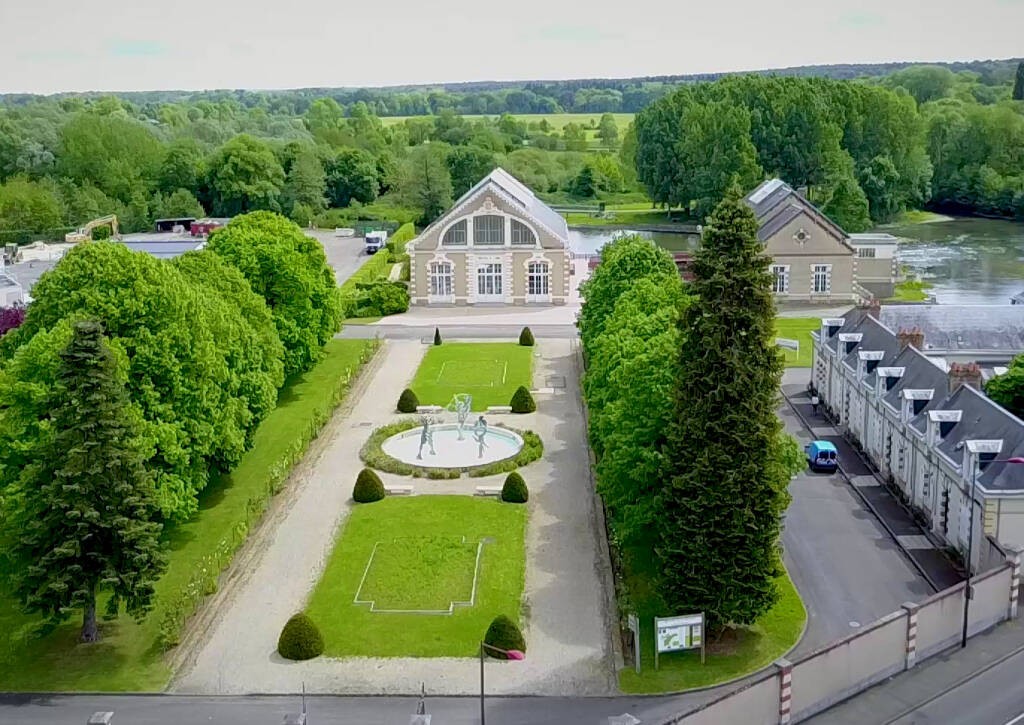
(797, 690)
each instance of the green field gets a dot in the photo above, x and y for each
(797, 328)
(911, 290)
(557, 120)
(419, 554)
(737, 652)
(128, 658)
(489, 371)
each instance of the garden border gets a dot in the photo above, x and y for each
(373, 455)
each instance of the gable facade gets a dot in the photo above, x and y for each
(497, 244)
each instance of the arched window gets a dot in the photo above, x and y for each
(489, 230)
(522, 234)
(441, 280)
(456, 235)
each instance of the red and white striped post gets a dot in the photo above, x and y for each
(785, 689)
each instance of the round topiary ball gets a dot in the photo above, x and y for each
(300, 639)
(368, 488)
(514, 490)
(522, 401)
(504, 634)
(407, 401)
(526, 337)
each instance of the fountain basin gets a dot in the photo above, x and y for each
(450, 452)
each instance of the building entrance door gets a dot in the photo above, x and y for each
(488, 283)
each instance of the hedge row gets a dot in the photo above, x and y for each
(368, 293)
(373, 455)
(203, 581)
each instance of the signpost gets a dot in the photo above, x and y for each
(633, 625)
(673, 634)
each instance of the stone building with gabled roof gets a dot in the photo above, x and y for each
(498, 243)
(813, 259)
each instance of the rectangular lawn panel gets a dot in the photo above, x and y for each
(393, 580)
(489, 371)
(426, 566)
(128, 657)
(797, 328)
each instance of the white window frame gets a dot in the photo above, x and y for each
(538, 280)
(866, 252)
(780, 272)
(490, 282)
(822, 273)
(457, 235)
(521, 235)
(441, 281)
(493, 237)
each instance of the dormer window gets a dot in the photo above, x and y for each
(522, 234)
(489, 230)
(456, 235)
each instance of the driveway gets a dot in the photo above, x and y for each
(848, 569)
(344, 254)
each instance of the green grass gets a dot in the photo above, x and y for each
(797, 328)
(911, 290)
(128, 658)
(557, 120)
(421, 573)
(489, 371)
(735, 653)
(919, 216)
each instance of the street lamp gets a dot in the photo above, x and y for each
(512, 654)
(968, 592)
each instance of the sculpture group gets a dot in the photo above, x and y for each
(461, 405)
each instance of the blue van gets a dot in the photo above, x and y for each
(822, 456)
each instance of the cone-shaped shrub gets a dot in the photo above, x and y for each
(504, 633)
(526, 337)
(437, 336)
(407, 401)
(301, 639)
(522, 401)
(514, 490)
(368, 488)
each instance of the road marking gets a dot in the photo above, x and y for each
(1016, 719)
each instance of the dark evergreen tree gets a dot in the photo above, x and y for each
(1018, 83)
(723, 498)
(84, 521)
(437, 336)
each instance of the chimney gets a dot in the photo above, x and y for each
(914, 336)
(964, 374)
(874, 308)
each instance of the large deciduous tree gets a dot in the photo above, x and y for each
(467, 165)
(351, 176)
(29, 206)
(289, 270)
(244, 175)
(83, 517)
(426, 182)
(723, 494)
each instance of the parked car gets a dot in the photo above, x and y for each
(822, 456)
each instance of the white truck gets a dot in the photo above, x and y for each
(375, 241)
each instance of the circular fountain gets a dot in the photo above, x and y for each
(447, 447)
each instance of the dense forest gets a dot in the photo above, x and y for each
(923, 136)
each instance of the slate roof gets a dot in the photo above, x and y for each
(165, 250)
(961, 327)
(775, 203)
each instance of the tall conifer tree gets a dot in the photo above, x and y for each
(84, 521)
(723, 494)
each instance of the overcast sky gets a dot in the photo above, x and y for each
(80, 45)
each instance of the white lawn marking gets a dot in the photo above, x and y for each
(504, 373)
(451, 604)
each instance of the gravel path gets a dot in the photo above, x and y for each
(567, 603)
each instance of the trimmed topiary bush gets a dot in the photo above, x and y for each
(522, 401)
(407, 401)
(514, 490)
(504, 633)
(301, 639)
(437, 336)
(368, 488)
(526, 337)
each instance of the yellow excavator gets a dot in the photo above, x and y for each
(84, 234)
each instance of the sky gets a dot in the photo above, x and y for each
(126, 45)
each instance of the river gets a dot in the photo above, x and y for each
(970, 261)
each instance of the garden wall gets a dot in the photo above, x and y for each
(797, 690)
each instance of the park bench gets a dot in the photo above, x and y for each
(429, 408)
(488, 490)
(399, 490)
(499, 408)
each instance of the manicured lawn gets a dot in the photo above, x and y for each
(420, 562)
(911, 290)
(797, 328)
(735, 653)
(128, 657)
(489, 371)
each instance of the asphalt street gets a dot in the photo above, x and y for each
(460, 332)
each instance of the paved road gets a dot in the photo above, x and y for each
(979, 685)
(344, 254)
(463, 332)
